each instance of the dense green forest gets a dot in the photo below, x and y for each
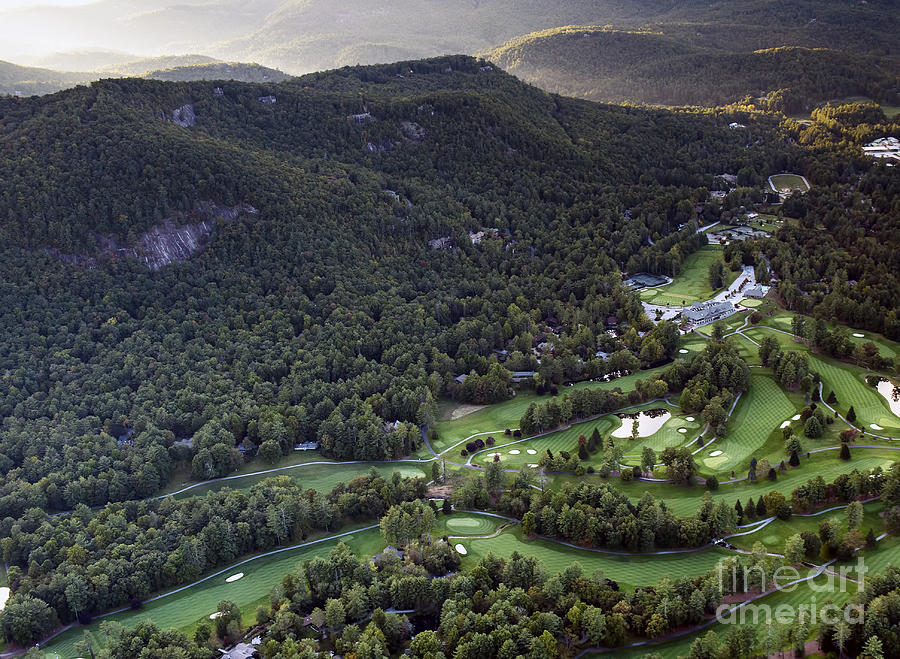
(340, 301)
(330, 292)
(655, 67)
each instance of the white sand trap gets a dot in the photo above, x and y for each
(515, 451)
(875, 426)
(234, 577)
(217, 614)
(796, 417)
(785, 424)
(688, 418)
(715, 454)
(647, 425)
(683, 351)
(886, 388)
(461, 550)
(4, 595)
(682, 430)
(531, 451)
(532, 465)
(858, 335)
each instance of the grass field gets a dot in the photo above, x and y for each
(461, 524)
(629, 571)
(887, 348)
(792, 181)
(761, 409)
(567, 440)
(684, 500)
(185, 609)
(730, 324)
(774, 534)
(692, 283)
(748, 351)
(851, 389)
(320, 477)
(805, 594)
(507, 414)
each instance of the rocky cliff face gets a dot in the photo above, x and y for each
(170, 241)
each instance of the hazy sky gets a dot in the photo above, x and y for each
(13, 4)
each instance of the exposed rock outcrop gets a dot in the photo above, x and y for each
(184, 116)
(171, 241)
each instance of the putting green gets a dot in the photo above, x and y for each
(714, 461)
(469, 525)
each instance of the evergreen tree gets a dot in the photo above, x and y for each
(845, 451)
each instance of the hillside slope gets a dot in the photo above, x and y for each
(306, 35)
(26, 81)
(611, 65)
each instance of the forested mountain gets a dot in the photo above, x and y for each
(305, 35)
(604, 64)
(327, 303)
(27, 81)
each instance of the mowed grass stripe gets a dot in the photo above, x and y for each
(692, 283)
(629, 571)
(761, 409)
(507, 414)
(196, 604)
(848, 385)
(320, 477)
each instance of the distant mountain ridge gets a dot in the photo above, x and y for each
(300, 36)
(651, 66)
(27, 81)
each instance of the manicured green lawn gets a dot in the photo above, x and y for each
(761, 409)
(567, 440)
(748, 351)
(685, 500)
(187, 608)
(457, 524)
(629, 571)
(320, 477)
(493, 419)
(792, 181)
(805, 594)
(774, 534)
(730, 324)
(847, 382)
(692, 283)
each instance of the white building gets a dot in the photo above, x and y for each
(704, 313)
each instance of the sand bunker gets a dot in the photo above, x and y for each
(886, 388)
(688, 418)
(683, 351)
(217, 614)
(785, 424)
(647, 424)
(858, 335)
(796, 417)
(531, 451)
(515, 451)
(490, 456)
(715, 454)
(4, 595)
(682, 430)
(875, 426)
(461, 550)
(234, 577)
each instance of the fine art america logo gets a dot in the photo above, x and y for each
(751, 583)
